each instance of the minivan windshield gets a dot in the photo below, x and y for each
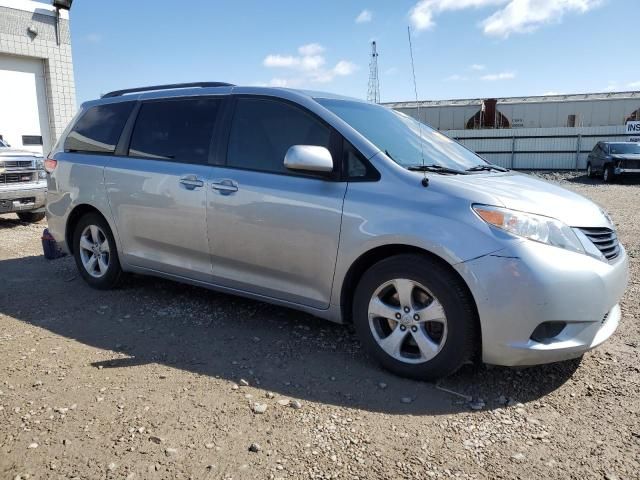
(625, 148)
(401, 137)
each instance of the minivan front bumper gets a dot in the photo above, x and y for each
(530, 283)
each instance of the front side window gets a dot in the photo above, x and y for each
(263, 130)
(175, 130)
(99, 128)
(402, 138)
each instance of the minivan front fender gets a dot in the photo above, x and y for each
(449, 231)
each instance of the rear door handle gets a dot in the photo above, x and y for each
(191, 182)
(224, 185)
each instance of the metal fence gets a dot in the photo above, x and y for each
(538, 148)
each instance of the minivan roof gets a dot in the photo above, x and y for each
(207, 88)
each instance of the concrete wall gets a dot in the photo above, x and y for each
(16, 18)
(538, 148)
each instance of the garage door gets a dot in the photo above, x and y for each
(24, 121)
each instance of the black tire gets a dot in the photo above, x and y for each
(113, 274)
(459, 308)
(608, 175)
(31, 217)
(590, 173)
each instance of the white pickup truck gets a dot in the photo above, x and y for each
(23, 183)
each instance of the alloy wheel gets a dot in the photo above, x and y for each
(407, 321)
(94, 251)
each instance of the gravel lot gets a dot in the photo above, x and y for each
(161, 380)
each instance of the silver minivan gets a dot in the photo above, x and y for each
(343, 209)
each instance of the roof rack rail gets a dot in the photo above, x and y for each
(119, 93)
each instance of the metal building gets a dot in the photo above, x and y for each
(37, 89)
(551, 111)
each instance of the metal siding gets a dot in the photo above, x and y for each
(488, 145)
(536, 114)
(544, 144)
(544, 161)
(618, 113)
(446, 119)
(459, 120)
(502, 159)
(432, 117)
(559, 144)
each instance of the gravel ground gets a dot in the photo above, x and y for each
(161, 380)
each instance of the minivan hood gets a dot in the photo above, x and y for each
(529, 194)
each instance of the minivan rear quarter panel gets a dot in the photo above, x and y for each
(74, 172)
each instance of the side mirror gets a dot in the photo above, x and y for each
(308, 158)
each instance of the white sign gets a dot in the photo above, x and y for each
(634, 139)
(633, 128)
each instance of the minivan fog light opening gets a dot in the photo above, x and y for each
(547, 331)
(531, 226)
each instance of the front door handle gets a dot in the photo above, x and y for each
(224, 185)
(191, 181)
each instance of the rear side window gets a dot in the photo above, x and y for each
(263, 130)
(175, 130)
(99, 129)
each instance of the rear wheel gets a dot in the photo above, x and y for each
(31, 217)
(95, 252)
(415, 317)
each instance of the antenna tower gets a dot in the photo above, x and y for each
(373, 93)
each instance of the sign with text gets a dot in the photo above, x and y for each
(633, 128)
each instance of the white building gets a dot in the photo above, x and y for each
(37, 90)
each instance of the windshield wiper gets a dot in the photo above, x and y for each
(435, 168)
(487, 167)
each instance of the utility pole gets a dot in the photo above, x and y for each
(373, 93)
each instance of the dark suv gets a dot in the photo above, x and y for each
(611, 159)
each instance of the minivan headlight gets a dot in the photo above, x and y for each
(531, 226)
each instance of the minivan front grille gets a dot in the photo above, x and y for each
(605, 240)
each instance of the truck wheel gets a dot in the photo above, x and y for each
(95, 252)
(31, 217)
(415, 317)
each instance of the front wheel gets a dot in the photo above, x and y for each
(608, 174)
(416, 317)
(95, 252)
